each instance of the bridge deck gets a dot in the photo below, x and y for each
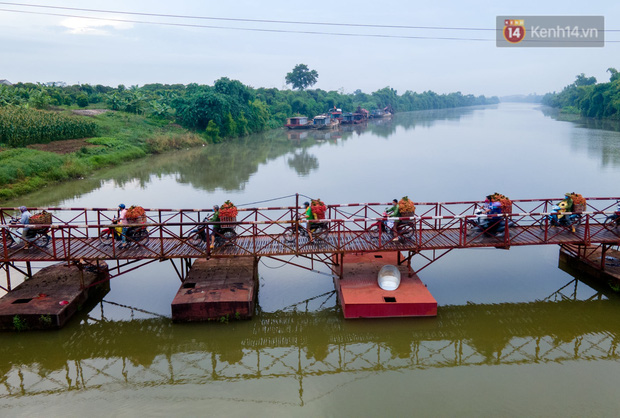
(274, 245)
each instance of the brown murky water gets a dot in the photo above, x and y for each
(515, 335)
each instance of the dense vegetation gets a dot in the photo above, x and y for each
(157, 117)
(589, 98)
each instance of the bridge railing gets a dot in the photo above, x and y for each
(74, 231)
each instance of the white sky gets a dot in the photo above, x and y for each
(42, 48)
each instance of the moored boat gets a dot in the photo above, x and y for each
(324, 122)
(357, 117)
(298, 122)
(336, 114)
(381, 113)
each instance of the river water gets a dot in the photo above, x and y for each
(515, 335)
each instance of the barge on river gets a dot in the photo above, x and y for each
(298, 122)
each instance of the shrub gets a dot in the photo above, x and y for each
(82, 100)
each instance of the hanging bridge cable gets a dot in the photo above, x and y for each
(284, 263)
(268, 200)
(133, 308)
(232, 19)
(329, 294)
(333, 292)
(359, 35)
(307, 32)
(339, 209)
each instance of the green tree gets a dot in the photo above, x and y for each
(582, 80)
(387, 96)
(213, 131)
(115, 101)
(82, 100)
(196, 111)
(40, 100)
(302, 77)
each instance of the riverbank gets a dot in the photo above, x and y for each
(588, 98)
(154, 118)
(122, 138)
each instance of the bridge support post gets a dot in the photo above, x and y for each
(183, 270)
(7, 269)
(604, 249)
(7, 266)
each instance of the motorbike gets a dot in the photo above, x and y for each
(612, 221)
(405, 229)
(318, 229)
(224, 234)
(35, 235)
(133, 234)
(556, 218)
(488, 225)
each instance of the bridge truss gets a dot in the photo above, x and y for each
(262, 232)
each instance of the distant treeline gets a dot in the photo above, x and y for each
(589, 98)
(522, 98)
(226, 109)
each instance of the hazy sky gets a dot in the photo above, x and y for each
(42, 48)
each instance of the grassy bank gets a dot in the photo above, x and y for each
(122, 137)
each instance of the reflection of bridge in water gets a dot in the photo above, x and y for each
(299, 346)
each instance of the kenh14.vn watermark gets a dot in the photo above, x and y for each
(550, 31)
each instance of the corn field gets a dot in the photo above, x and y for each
(20, 127)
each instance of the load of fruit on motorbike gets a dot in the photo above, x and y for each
(228, 210)
(406, 207)
(505, 202)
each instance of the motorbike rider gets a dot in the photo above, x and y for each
(25, 220)
(491, 208)
(308, 216)
(566, 205)
(394, 211)
(215, 228)
(569, 202)
(122, 220)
